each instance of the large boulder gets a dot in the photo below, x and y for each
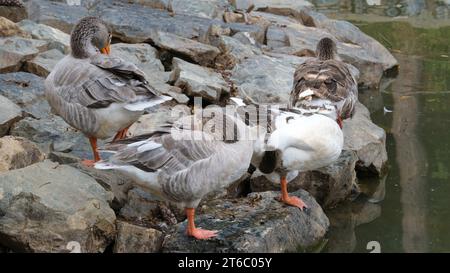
(198, 81)
(330, 185)
(135, 23)
(9, 114)
(257, 223)
(135, 239)
(200, 53)
(53, 134)
(112, 181)
(368, 141)
(27, 91)
(16, 50)
(47, 207)
(263, 79)
(44, 62)
(17, 152)
(56, 38)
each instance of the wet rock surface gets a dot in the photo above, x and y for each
(258, 223)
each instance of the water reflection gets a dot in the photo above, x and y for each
(411, 158)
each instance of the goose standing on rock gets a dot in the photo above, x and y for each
(325, 79)
(185, 161)
(98, 94)
(297, 141)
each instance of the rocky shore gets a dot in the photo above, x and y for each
(212, 49)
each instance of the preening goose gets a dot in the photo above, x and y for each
(296, 140)
(185, 161)
(325, 79)
(98, 94)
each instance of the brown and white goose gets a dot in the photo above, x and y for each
(325, 80)
(185, 161)
(98, 94)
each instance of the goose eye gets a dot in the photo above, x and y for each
(109, 38)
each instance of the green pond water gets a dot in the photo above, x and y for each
(409, 209)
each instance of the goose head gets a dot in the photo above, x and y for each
(90, 36)
(326, 49)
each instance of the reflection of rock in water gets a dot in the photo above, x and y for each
(343, 221)
(372, 99)
(374, 189)
(410, 156)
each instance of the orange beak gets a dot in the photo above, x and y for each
(106, 50)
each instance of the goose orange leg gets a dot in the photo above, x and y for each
(290, 200)
(197, 233)
(90, 163)
(121, 134)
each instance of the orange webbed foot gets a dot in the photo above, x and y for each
(295, 202)
(202, 234)
(88, 163)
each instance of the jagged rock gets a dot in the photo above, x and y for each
(157, 117)
(141, 207)
(56, 14)
(16, 50)
(135, 23)
(367, 140)
(200, 53)
(17, 152)
(56, 38)
(9, 114)
(263, 79)
(173, 91)
(44, 62)
(27, 91)
(144, 56)
(136, 239)
(198, 81)
(13, 12)
(257, 223)
(112, 181)
(9, 28)
(53, 134)
(329, 185)
(47, 207)
(232, 51)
